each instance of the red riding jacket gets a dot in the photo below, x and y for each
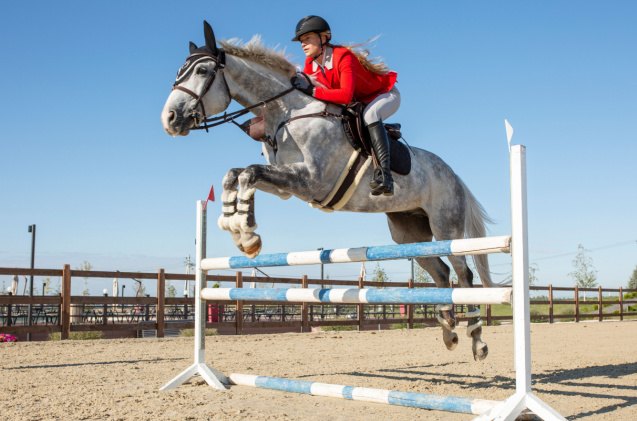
(346, 79)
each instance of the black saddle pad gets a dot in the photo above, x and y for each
(358, 135)
(400, 157)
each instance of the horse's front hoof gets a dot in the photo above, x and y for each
(450, 339)
(252, 247)
(480, 351)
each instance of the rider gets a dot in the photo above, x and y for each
(347, 76)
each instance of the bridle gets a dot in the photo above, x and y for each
(219, 59)
(191, 63)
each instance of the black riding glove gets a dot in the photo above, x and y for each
(302, 82)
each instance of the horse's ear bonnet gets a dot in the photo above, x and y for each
(209, 36)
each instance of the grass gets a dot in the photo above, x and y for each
(338, 328)
(189, 333)
(77, 336)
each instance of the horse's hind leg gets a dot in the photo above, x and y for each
(474, 323)
(411, 227)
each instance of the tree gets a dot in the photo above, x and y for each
(379, 274)
(585, 274)
(421, 275)
(632, 282)
(85, 266)
(171, 291)
(533, 270)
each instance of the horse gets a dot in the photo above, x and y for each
(307, 153)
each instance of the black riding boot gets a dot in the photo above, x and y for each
(382, 182)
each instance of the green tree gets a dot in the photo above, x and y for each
(632, 282)
(171, 291)
(379, 274)
(585, 274)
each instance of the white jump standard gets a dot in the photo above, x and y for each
(518, 296)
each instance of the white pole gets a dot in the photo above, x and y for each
(200, 283)
(519, 254)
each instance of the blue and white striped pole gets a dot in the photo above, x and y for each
(362, 295)
(468, 246)
(390, 397)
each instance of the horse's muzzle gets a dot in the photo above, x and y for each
(176, 124)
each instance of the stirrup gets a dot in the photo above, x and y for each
(386, 189)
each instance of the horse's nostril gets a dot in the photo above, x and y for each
(171, 116)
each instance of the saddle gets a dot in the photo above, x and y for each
(358, 136)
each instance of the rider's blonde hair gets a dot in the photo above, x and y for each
(374, 65)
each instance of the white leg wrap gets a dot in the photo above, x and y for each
(229, 195)
(471, 328)
(444, 323)
(239, 223)
(244, 207)
(247, 194)
(474, 313)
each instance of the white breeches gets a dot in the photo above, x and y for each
(382, 107)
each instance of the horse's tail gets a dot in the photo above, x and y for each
(474, 227)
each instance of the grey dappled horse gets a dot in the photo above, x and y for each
(307, 156)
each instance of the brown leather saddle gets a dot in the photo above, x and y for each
(358, 136)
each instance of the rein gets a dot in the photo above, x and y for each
(231, 117)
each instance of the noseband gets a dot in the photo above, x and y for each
(191, 62)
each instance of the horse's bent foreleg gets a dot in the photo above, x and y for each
(281, 180)
(229, 203)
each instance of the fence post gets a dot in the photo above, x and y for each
(361, 307)
(489, 319)
(105, 310)
(410, 308)
(9, 312)
(161, 298)
(66, 302)
(239, 306)
(599, 299)
(576, 303)
(551, 303)
(621, 303)
(305, 323)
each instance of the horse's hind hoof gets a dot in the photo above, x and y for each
(480, 352)
(450, 339)
(252, 248)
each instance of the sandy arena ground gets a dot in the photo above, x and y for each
(587, 371)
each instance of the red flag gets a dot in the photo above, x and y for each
(211, 197)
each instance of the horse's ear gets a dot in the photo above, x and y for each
(193, 47)
(209, 35)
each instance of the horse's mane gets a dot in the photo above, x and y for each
(256, 51)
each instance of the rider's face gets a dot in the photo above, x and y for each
(311, 44)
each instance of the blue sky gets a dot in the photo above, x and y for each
(83, 154)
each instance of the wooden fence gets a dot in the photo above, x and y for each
(131, 316)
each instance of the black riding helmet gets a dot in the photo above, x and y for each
(310, 24)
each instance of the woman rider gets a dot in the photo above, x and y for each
(348, 76)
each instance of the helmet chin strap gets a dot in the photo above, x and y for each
(323, 44)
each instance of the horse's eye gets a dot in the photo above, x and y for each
(201, 70)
